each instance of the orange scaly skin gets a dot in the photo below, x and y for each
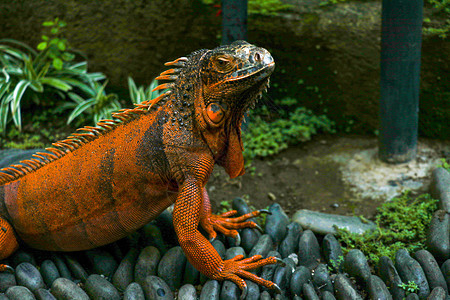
(104, 182)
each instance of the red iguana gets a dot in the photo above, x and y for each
(104, 182)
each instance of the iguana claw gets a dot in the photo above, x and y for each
(259, 228)
(265, 211)
(238, 239)
(244, 292)
(280, 262)
(276, 288)
(6, 268)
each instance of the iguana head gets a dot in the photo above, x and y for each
(216, 87)
(232, 78)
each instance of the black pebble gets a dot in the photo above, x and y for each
(6, 280)
(152, 236)
(19, 293)
(21, 256)
(412, 296)
(62, 267)
(410, 270)
(171, 267)
(210, 290)
(389, 275)
(253, 292)
(65, 289)
(445, 269)
(309, 293)
(124, 274)
(438, 242)
(43, 294)
(276, 223)
(431, 269)
(377, 289)
(156, 289)
(191, 274)
(332, 252)
(98, 288)
(187, 292)
(49, 272)
(134, 292)
(308, 250)
(300, 276)
(328, 296)
(27, 275)
(263, 246)
(344, 289)
(102, 262)
(76, 268)
(146, 264)
(265, 296)
(290, 243)
(283, 274)
(438, 293)
(321, 279)
(268, 270)
(355, 264)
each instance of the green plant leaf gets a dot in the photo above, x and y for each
(19, 90)
(57, 63)
(17, 118)
(132, 89)
(89, 90)
(61, 45)
(48, 23)
(4, 107)
(20, 44)
(81, 66)
(56, 83)
(80, 108)
(75, 97)
(37, 86)
(96, 76)
(41, 46)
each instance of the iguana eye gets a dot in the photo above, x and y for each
(215, 112)
(223, 64)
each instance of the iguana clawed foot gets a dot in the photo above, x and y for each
(6, 268)
(228, 226)
(235, 270)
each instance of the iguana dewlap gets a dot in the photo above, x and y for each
(105, 182)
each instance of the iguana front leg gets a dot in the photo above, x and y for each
(223, 223)
(200, 252)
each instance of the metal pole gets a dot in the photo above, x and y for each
(234, 21)
(401, 40)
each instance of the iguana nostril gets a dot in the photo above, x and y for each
(258, 56)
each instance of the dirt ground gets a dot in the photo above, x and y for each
(298, 178)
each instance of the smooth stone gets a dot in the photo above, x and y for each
(438, 242)
(3, 297)
(28, 276)
(268, 270)
(290, 243)
(276, 223)
(321, 279)
(124, 274)
(76, 268)
(191, 274)
(43, 294)
(410, 270)
(165, 220)
(308, 250)
(49, 272)
(210, 290)
(220, 248)
(253, 292)
(241, 207)
(332, 251)
(265, 296)
(412, 296)
(323, 223)
(65, 289)
(134, 292)
(98, 288)
(171, 267)
(7, 280)
(283, 274)
(21, 256)
(431, 269)
(297, 298)
(62, 267)
(156, 288)
(263, 246)
(355, 264)
(377, 289)
(187, 292)
(309, 293)
(152, 236)
(445, 269)
(300, 276)
(344, 290)
(14, 156)
(328, 296)
(146, 264)
(249, 236)
(438, 293)
(388, 273)
(233, 252)
(102, 262)
(229, 291)
(19, 293)
(440, 188)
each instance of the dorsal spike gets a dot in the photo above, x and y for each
(170, 71)
(157, 99)
(163, 87)
(179, 62)
(167, 77)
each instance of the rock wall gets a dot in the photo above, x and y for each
(328, 57)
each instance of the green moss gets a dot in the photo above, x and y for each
(401, 223)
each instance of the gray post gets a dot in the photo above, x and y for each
(234, 21)
(401, 40)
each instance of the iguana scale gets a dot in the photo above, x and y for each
(104, 182)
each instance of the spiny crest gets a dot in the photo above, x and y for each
(89, 133)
